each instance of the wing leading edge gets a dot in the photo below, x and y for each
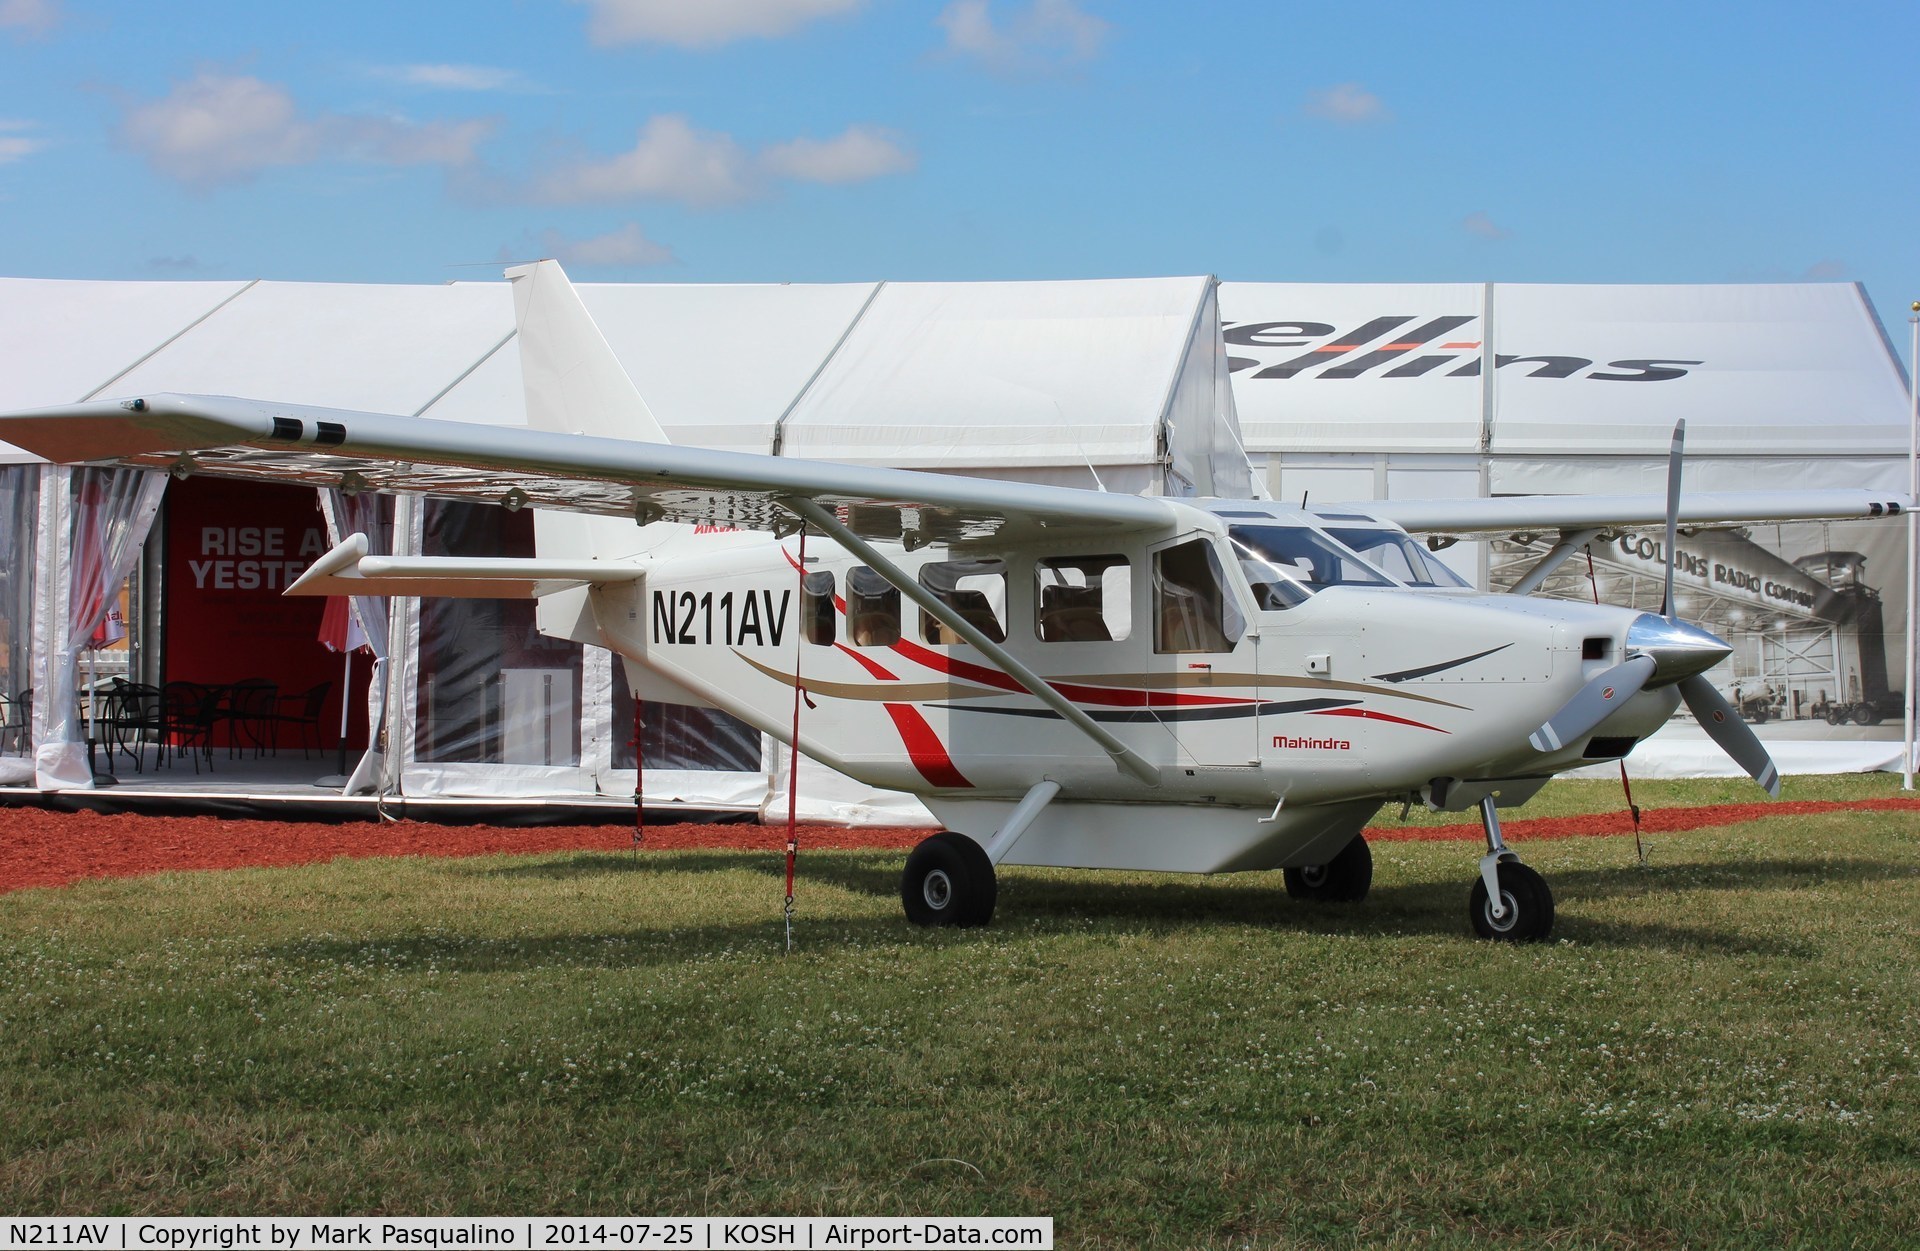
(227, 437)
(1539, 515)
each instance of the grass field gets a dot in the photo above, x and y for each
(1718, 1050)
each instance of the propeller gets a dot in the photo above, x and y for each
(1673, 651)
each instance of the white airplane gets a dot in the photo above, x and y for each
(1065, 677)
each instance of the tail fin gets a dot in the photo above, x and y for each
(574, 385)
(574, 382)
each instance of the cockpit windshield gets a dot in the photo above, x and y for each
(1286, 564)
(1393, 553)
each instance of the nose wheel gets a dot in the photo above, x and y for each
(1510, 902)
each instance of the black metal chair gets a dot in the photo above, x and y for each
(250, 708)
(137, 719)
(188, 711)
(16, 722)
(304, 713)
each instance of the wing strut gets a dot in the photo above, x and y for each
(823, 520)
(1570, 542)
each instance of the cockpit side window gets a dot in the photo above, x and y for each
(873, 609)
(1192, 610)
(976, 590)
(1083, 599)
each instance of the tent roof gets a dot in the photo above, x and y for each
(950, 375)
(1763, 369)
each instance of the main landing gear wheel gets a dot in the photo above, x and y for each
(1343, 879)
(1527, 906)
(949, 881)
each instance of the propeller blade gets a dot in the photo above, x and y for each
(1674, 457)
(1724, 726)
(1592, 704)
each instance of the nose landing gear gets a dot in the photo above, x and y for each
(1510, 902)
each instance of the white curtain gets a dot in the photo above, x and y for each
(371, 515)
(92, 523)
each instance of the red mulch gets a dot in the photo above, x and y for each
(42, 848)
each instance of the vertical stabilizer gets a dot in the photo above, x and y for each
(574, 385)
(574, 382)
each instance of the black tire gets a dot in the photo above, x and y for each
(1528, 902)
(1866, 714)
(1834, 714)
(949, 881)
(1343, 879)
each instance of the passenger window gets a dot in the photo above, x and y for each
(975, 589)
(1083, 599)
(1192, 610)
(816, 607)
(873, 609)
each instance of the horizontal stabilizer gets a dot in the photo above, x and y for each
(348, 570)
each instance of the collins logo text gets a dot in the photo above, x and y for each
(1446, 346)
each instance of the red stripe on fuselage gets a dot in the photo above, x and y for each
(1110, 696)
(1370, 715)
(870, 666)
(924, 748)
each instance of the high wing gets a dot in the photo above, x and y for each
(221, 436)
(1541, 515)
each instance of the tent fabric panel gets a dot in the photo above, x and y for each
(718, 365)
(1290, 404)
(1769, 369)
(388, 349)
(1043, 373)
(68, 339)
(65, 340)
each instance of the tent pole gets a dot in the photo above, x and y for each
(346, 693)
(1913, 540)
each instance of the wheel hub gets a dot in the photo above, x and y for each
(1509, 914)
(937, 889)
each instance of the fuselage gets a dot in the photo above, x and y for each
(1249, 655)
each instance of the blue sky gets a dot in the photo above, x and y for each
(837, 140)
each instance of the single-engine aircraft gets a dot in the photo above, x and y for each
(1066, 677)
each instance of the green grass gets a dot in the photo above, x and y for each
(1717, 1050)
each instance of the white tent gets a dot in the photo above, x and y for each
(1123, 382)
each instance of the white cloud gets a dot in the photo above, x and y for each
(1045, 34)
(29, 17)
(673, 160)
(223, 128)
(855, 155)
(1350, 104)
(704, 23)
(670, 161)
(455, 77)
(1483, 226)
(626, 247)
(13, 144)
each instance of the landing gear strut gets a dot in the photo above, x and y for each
(1510, 902)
